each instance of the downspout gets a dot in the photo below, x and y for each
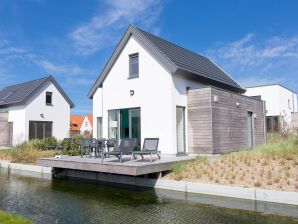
(265, 122)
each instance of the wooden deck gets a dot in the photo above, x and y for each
(113, 166)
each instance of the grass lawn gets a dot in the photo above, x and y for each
(6, 218)
(274, 166)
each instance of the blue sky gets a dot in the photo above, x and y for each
(254, 41)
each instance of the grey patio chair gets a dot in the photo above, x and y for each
(84, 144)
(95, 145)
(125, 147)
(150, 147)
(111, 143)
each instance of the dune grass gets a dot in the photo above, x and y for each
(6, 218)
(26, 153)
(274, 166)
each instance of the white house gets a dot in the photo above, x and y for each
(281, 103)
(147, 87)
(87, 125)
(34, 109)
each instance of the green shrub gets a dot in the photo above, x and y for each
(71, 148)
(39, 144)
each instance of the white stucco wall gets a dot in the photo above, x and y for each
(58, 113)
(279, 100)
(179, 98)
(157, 92)
(86, 126)
(152, 93)
(97, 109)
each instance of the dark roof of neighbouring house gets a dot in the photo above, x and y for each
(21, 93)
(174, 57)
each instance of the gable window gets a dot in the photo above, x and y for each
(49, 98)
(134, 65)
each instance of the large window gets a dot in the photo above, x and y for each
(49, 98)
(134, 65)
(40, 129)
(125, 123)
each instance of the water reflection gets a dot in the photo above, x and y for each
(75, 201)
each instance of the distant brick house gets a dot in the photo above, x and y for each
(81, 124)
(76, 122)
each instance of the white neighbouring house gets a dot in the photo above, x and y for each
(149, 88)
(34, 109)
(281, 104)
(87, 125)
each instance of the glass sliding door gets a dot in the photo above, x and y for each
(180, 129)
(135, 126)
(114, 124)
(125, 123)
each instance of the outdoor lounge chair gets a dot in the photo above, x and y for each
(125, 147)
(150, 147)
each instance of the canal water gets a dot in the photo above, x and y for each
(74, 201)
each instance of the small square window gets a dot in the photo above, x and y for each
(49, 98)
(134, 65)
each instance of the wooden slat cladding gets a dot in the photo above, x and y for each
(220, 127)
(5, 130)
(229, 119)
(199, 121)
(3, 116)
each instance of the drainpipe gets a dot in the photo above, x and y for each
(265, 125)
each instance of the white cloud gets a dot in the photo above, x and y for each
(255, 62)
(248, 51)
(12, 58)
(51, 67)
(103, 30)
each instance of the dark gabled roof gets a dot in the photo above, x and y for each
(174, 57)
(20, 93)
(190, 61)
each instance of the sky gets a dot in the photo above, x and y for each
(255, 41)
